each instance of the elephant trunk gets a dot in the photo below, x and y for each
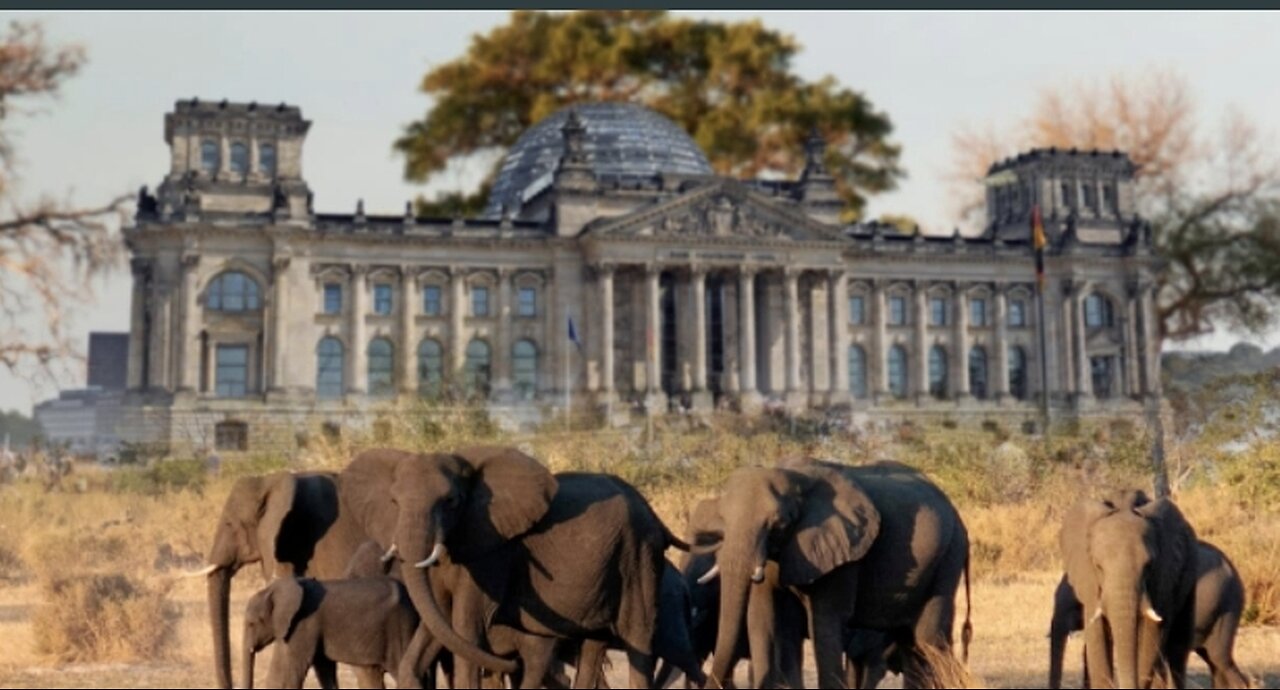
(1123, 613)
(418, 582)
(219, 589)
(246, 663)
(740, 569)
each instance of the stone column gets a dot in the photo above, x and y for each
(791, 303)
(606, 333)
(1084, 382)
(1133, 370)
(279, 324)
(960, 376)
(138, 337)
(188, 354)
(409, 298)
(224, 157)
(160, 301)
(502, 349)
(880, 346)
(698, 295)
(1150, 340)
(653, 339)
(998, 370)
(457, 325)
(838, 329)
(357, 355)
(921, 374)
(748, 396)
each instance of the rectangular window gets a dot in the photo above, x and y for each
(382, 299)
(978, 312)
(528, 302)
(897, 311)
(232, 375)
(332, 298)
(1090, 197)
(231, 436)
(1068, 195)
(479, 301)
(857, 310)
(431, 304)
(267, 159)
(937, 311)
(1017, 313)
(1109, 198)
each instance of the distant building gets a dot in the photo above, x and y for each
(85, 420)
(256, 318)
(109, 360)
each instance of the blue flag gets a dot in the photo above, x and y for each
(573, 334)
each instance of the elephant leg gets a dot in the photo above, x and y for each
(1097, 652)
(1178, 648)
(326, 673)
(370, 677)
(468, 622)
(417, 664)
(1218, 653)
(590, 663)
(536, 655)
(829, 605)
(641, 668)
(762, 624)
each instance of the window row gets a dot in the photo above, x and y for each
(211, 157)
(939, 311)
(899, 377)
(433, 300)
(380, 354)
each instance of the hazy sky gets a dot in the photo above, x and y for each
(355, 75)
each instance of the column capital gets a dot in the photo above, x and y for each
(604, 267)
(360, 269)
(190, 260)
(698, 270)
(748, 271)
(837, 273)
(279, 262)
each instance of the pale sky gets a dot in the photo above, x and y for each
(355, 75)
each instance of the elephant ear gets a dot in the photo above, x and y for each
(837, 524)
(706, 527)
(509, 493)
(1073, 542)
(365, 490)
(279, 493)
(286, 602)
(1177, 544)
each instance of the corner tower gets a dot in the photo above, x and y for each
(1086, 193)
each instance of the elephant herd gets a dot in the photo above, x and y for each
(481, 567)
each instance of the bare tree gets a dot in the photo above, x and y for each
(50, 250)
(1212, 194)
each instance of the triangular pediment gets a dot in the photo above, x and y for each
(721, 209)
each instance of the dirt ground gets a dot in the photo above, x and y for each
(1009, 650)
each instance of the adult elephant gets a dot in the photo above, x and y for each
(292, 524)
(489, 535)
(876, 547)
(1132, 563)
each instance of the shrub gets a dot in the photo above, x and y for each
(103, 617)
(160, 477)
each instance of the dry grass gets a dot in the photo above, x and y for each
(133, 530)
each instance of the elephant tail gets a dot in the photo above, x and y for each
(966, 632)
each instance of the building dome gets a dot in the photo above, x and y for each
(622, 140)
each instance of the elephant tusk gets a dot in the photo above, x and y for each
(1150, 612)
(709, 575)
(391, 553)
(1096, 615)
(758, 576)
(203, 572)
(432, 559)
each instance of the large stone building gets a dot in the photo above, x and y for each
(255, 317)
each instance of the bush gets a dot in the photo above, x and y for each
(103, 617)
(160, 477)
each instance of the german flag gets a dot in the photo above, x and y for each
(1038, 242)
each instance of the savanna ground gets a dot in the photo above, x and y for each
(90, 594)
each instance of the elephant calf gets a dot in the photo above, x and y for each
(366, 622)
(1219, 604)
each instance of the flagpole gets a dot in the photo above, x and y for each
(1038, 242)
(568, 400)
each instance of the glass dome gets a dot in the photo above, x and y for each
(622, 139)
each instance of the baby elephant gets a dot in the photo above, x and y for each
(366, 622)
(1219, 603)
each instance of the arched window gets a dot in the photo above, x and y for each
(1018, 373)
(430, 368)
(938, 372)
(381, 368)
(239, 158)
(476, 371)
(978, 372)
(857, 371)
(329, 368)
(233, 291)
(524, 369)
(1098, 312)
(898, 371)
(267, 159)
(210, 156)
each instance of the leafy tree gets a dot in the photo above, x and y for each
(729, 84)
(49, 250)
(1212, 195)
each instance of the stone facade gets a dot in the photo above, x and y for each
(255, 319)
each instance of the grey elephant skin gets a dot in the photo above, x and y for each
(875, 547)
(488, 536)
(365, 622)
(292, 524)
(1219, 605)
(1132, 563)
